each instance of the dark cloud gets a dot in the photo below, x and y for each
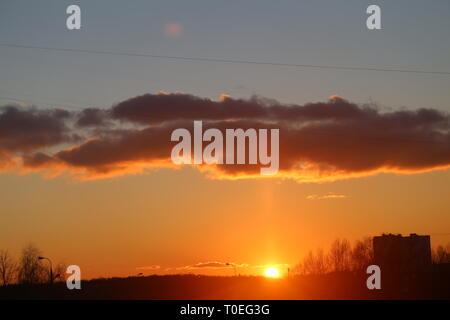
(26, 129)
(318, 141)
(157, 108)
(92, 117)
(23, 129)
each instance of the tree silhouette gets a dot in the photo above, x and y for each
(362, 254)
(342, 256)
(60, 272)
(313, 264)
(7, 268)
(441, 254)
(339, 255)
(31, 270)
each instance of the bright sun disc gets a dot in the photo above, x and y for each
(272, 272)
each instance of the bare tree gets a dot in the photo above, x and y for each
(60, 272)
(307, 265)
(31, 270)
(441, 254)
(313, 264)
(7, 268)
(362, 254)
(321, 262)
(339, 257)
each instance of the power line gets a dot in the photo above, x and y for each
(217, 60)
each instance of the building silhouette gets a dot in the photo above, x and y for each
(405, 261)
(395, 252)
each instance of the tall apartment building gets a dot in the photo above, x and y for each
(395, 253)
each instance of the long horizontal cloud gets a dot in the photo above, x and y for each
(218, 265)
(213, 265)
(150, 109)
(328, 196)
(318, 141)
(151, 267)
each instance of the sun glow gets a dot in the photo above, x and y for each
(272, 272)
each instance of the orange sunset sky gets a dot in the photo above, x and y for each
(167, 221)
(86, 117)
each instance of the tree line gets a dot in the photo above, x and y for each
(343, 256)
(30, 268)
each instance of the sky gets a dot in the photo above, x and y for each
(168, 221)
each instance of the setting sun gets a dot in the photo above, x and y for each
(272, 272)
